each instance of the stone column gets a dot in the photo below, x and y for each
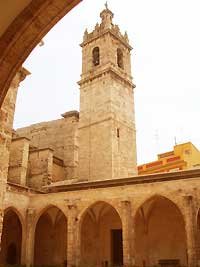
(191, 230)
(128, 234)
(6, 125)
(72, 236)
(23, 245)
(29, 242)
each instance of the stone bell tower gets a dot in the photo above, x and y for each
(107, 147)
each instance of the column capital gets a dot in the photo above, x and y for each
(23, 73)
(19, 77)
(30, 211)
(72, 204)
(188, 198)
(125, 202)
(30, 214)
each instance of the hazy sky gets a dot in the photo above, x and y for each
(165, 36)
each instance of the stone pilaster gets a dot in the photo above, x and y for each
(73, 247)
(191, 230)
(28, 249)
(6, 125)
(128, 234)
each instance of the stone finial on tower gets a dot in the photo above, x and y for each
(126, 36)
(106, 18)
(85, 35)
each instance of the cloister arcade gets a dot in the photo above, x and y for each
(96, 235)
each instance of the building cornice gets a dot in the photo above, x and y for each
(136, 180)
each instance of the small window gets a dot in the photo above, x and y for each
(118, 132)
(120, 58)
(96, 56)
(187, 152)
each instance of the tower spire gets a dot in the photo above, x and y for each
(106, 17)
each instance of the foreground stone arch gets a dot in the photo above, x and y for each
(50, 247)
(25, 32)
(101, 236)
(159, 233)
(11, 243)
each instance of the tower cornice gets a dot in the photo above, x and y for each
(107, 70)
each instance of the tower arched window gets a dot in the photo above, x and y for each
(120, 62)
(96, 56)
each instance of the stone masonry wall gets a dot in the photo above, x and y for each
(40, 168)
(18, 161)
(58, 135)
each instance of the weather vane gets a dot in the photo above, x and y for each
(106, 4)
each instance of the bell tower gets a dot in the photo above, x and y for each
(107, 145)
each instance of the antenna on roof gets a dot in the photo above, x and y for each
(175, 140)
(156, 136)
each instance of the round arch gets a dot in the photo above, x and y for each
(160, 233)
(50, 245)
(25, 32)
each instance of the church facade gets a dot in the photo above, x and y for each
(72, 195)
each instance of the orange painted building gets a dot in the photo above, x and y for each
(182, 157)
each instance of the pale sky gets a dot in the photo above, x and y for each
(165, 35)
